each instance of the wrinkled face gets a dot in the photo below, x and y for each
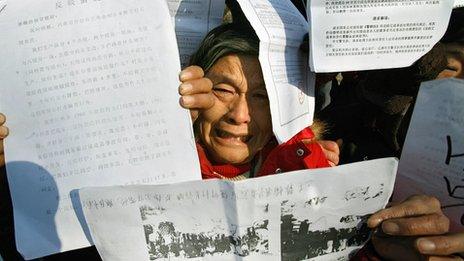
(239, 124)
(455, 57)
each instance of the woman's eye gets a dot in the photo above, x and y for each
(223, 92)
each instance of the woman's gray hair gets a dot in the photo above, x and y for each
(233, 38)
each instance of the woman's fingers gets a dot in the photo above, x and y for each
(3, 129)
(195, 91)
(441, 245)
(198, 101)
(331, 151)
(329, 148)
(202, 85)
(191, 73)
(3, 133)
(413, 206)
(2, 118)
(196, 95)
(431, 224)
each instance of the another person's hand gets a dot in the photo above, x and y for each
(3, 133)
(195, 90)
(415, 229)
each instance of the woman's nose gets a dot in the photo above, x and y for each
(239, 111)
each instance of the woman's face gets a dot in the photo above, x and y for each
(239, 124)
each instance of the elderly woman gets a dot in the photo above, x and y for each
(225, 93)
(231, 114)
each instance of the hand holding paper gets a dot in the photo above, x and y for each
(195, 90)
(403, 228)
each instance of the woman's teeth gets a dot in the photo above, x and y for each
(228, 135)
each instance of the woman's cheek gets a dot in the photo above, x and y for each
(215, 113)
(263, 115)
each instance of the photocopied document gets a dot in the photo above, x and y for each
(458, 3)
(358, 35)
(192, 21)
(432, 161)
(290, 86)
(2, 5)
(90, 93)
(316, 214)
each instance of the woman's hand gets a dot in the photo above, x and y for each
(3, 133)
(331, 150)
(415, 229)
(195, 90)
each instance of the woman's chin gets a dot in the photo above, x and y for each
(233, 156)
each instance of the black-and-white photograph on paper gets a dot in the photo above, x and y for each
(205, 237)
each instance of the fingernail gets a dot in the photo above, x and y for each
(184, 75)
(390, 228)
(187, 100)
(185, 87)
(374, 222)
(426, 246)
(4, 131)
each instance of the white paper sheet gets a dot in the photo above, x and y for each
(364, 35)
(432, 161)
(458, 3)
(290, 87)
(293, 216)
(192, 21)
(90, 92)
(2, 5)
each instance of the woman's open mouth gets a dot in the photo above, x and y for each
(231, 137)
